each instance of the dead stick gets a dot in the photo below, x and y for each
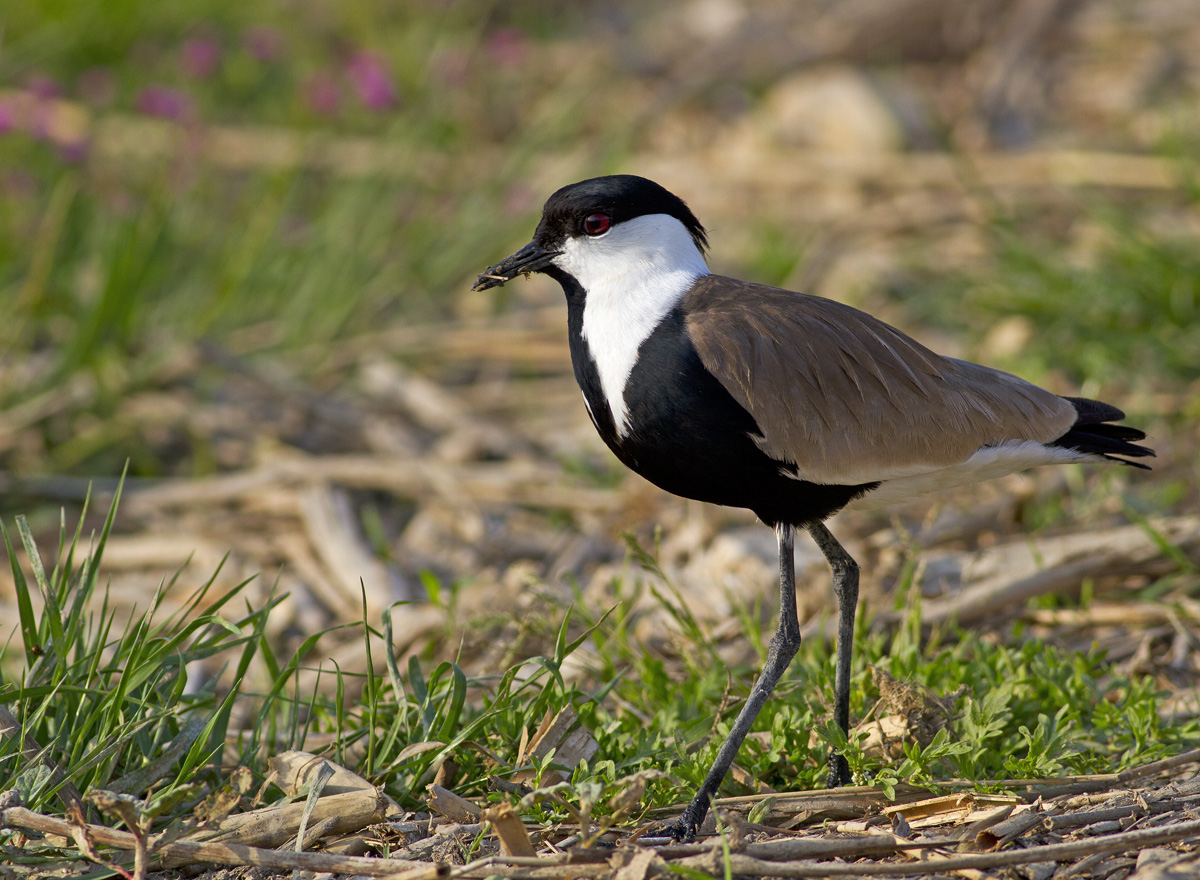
(1054, 853)
(552, 872)
(1158, 766)
(1089, 817)
(228, 853)
(522, 866)
(818, 848)
(272, 826)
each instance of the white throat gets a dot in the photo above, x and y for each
(632, 276)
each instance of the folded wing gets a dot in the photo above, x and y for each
(848, 399)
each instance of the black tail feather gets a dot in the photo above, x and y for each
(1092, 434)
(1093, 412)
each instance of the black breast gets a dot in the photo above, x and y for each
(689, 436)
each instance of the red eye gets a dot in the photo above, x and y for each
(596, 224)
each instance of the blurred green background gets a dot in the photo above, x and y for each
(187, 185)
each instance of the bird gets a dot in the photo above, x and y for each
(791, 405)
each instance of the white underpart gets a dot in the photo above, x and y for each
(986, 464)
(633, 275)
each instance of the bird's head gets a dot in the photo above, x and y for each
(604, 227)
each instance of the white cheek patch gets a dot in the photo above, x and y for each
(632, 276)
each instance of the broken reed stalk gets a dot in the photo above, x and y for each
(742, 864)
(225, 853)
(273, 826)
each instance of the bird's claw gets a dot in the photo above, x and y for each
(680, 832)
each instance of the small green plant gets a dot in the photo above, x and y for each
(1046, 749)
(107, 700)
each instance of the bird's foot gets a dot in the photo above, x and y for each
(685, 828)
(839, 770)
(680, 831)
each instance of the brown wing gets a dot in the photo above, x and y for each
(850, 399)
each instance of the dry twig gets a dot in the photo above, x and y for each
(226, 853)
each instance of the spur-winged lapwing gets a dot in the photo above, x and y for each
(793, 406)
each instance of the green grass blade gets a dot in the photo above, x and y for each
(457, 696)
(55, 645)
(389, 653)
(29, 625)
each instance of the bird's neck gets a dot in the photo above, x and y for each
(615, 320)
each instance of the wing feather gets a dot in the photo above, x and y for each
(849, 399)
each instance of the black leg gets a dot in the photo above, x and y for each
(782, 649)
(845, 585)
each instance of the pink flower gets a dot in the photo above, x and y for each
(8, 118)
(165, 102)
(508, 47)
(41, 120)
(372, 81)
(262, 42)
(73, 152)
(43, 87)
(199, 57)
(322, 94)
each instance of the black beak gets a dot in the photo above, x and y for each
(531, 258)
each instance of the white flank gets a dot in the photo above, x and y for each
(633, 275)
(986, 464)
